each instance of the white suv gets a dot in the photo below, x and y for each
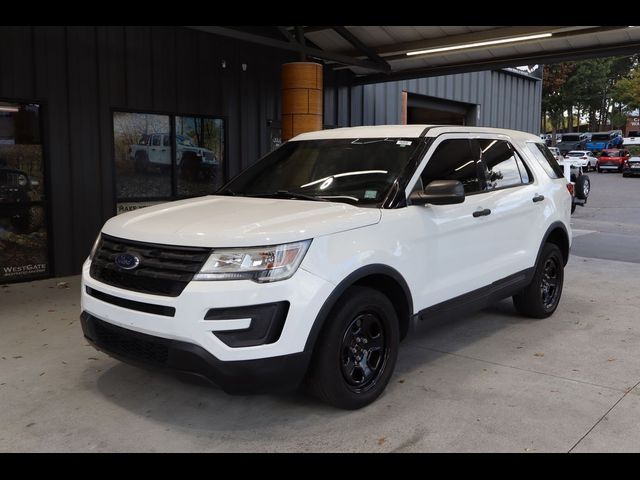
(317, 260)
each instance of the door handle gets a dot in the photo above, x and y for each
(538, 198)
(482, 213)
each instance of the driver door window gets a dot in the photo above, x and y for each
(456, 159)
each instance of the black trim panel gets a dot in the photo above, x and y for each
(375, 269)
(132, 304)
(552, 227)
(262, 375)
(480, 298)
(267, 322)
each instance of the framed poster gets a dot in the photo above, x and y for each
(23, 227)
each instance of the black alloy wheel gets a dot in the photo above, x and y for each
(549, 290)
(364, 351)
(542, 296)
(356, 351)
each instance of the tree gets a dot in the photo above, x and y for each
(553, 101)
(627, 90)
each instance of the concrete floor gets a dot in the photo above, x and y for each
(491, 381)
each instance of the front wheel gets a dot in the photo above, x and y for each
(542, 296)
(357, 350)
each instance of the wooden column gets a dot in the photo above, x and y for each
(301, 98)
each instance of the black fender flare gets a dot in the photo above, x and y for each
(554, 226)
(348, 281)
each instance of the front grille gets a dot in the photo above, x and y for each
(163, 269)
(9, 179)
(122, 342)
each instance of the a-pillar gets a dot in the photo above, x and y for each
(301, 98)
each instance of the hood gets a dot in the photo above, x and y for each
(222, 221)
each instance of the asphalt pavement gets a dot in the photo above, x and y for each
(608, 226)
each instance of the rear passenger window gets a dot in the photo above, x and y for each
(503, 167)
(546, 159)
(456, 159)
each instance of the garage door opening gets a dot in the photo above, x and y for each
(422, 109)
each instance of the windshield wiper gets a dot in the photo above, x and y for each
(300, 196)
(287, 193)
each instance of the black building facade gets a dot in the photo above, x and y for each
(70, 83)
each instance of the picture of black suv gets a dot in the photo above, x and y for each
(15, 202)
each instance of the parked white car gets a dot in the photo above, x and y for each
(317, 260)
(556, 153)
(583, 158)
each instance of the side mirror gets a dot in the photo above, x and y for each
(439, 192)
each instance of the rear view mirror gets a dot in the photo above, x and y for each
(439, 192)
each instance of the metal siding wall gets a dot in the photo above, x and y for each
(356, 106)
(80, 74)
(86, 179)
(503, 100)
(343, 114)
(51, 84)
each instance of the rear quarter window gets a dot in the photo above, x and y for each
(546, 159)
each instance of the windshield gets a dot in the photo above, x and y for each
(615, 153)
(570, 138)
(600, 136)
(576, 154)
(357, 171)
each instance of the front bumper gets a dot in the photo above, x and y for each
(249, 376)
(188, 317)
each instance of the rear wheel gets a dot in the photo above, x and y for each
(542, 296)
(357, 350)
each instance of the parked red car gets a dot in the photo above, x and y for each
(612, 159)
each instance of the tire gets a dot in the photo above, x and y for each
(362, 316)
(583, 187)
(542, 296)
(141, 162)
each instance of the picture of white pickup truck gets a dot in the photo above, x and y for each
(632, 138)
(154, 150)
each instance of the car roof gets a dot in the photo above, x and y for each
(409, 131)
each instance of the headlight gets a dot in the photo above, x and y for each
(260, 264)
(22, 180)
(94, 248)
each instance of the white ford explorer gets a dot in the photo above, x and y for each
(314, 263)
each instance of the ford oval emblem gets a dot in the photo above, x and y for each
(127, 261)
